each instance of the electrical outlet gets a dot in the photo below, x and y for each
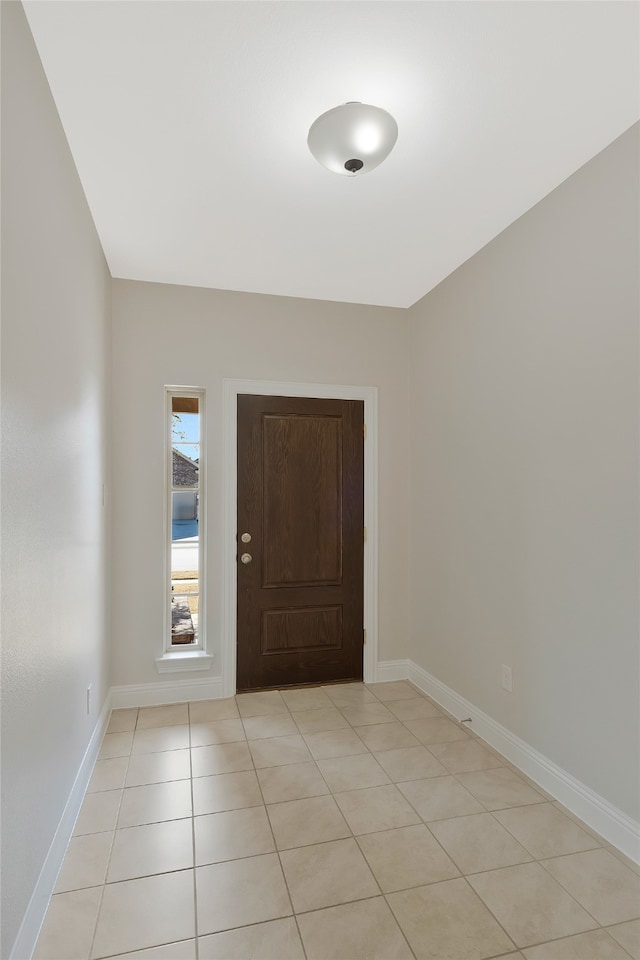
(89, 699)
(507, 678)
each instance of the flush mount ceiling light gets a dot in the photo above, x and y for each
(353, 138)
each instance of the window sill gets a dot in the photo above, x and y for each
(183, 661)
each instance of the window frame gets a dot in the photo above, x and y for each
(192, 656)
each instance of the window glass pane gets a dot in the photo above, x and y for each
(185, 427)
(185, 508)
(186, 461)
(189, 450)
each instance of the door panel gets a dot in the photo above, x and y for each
(301, 500)
(302, 522)
(306, 628)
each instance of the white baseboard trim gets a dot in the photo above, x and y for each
(392, 670)
(611, 823)
(173, 691)
(34, 916)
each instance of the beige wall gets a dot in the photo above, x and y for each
(524, 476)
(55, 313)
(183, 335)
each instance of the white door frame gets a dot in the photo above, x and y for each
(231, 389)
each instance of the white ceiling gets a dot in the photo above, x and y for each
(188, 123)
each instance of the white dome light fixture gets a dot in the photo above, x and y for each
(353, 138)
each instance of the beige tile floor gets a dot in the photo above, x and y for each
(335, 823)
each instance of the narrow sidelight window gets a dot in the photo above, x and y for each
(185, 519)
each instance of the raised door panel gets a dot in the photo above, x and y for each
(302, 500)
(301, 629)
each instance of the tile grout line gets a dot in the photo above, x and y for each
(193, 843)
(544, 943)
(104, 885)
(371, 753)
(568, 892)
(361, 852)
(353, 836)
(491, 913)
(462, 875)
(476, 873)
(389, 907)
(523, 845)
(277, 851)
(173, 819)
(534, 860)
(614, 939)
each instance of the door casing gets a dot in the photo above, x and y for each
(231, 389)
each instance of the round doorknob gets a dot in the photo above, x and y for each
(246, 558)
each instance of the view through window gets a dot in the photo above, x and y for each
(186, 511)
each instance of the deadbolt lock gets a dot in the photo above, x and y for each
(246, 538)
(246, 558)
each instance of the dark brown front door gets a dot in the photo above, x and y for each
(301, 502)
